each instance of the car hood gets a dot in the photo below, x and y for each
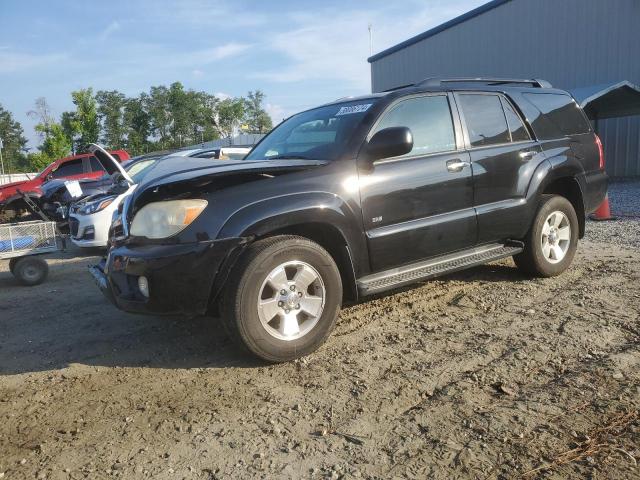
(110, 164)
(193, 168)
(13, 184)
(196, 172)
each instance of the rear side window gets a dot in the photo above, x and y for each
(518, 131)
(70, 168)
(428, 118)
(485, 120)
(562, 113)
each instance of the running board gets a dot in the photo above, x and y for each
(396, 277)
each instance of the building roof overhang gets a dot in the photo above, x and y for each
(610, 100)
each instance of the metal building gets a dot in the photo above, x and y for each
(589, 47)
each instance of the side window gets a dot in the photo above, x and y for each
(561, 111)
(518, 131)
(96, 166)
(485, 120)
(430, 122)
(67, 169)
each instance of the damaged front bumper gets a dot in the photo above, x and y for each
(181, 278)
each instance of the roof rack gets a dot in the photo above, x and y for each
(399, 87)
(436, 82)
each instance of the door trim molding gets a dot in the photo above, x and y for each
(421, 223)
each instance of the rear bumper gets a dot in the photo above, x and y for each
(594, 190)
(180, 277)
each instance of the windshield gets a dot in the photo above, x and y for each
(137, 170)
(318, 134)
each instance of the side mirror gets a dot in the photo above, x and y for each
(389, 142)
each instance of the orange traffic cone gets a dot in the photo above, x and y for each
(603, 212)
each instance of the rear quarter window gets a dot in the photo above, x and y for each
(560, 115)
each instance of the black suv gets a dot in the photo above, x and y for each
(357, 197)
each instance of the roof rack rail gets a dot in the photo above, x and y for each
(436, 82)
(399, 87)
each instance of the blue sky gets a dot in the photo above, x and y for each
(300, 53)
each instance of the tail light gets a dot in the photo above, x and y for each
(600, 152)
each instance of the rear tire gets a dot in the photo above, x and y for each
(551, 243)
(30, 270)
(283, 298)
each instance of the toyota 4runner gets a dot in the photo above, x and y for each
(358, 197)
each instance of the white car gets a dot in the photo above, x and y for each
(223, 153)
(90, 218)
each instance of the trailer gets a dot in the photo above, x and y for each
(23, 244)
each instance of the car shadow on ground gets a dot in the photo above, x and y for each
(67, 321)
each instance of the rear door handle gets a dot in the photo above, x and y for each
(456, 165)
(527, 154)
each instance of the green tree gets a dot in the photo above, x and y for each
(157, 106)
(230, 113)
(137, 125)
(69, 127)
(180, 111)
(55, 145)
(14, 142)
(55, 142)
(85, 119)
(111, 106)
(256, 117)
(206, 113)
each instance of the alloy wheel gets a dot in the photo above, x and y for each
(291, 300)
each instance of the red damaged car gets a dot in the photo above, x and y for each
(76, 167)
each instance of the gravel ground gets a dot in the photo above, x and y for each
(482, 374)
(624, 202)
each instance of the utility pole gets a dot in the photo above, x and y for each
(370, 39)
(1, 162)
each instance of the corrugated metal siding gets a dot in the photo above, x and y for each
(571, 43)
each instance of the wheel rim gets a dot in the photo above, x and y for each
(291, 300)
(31, 273)
(555, 237)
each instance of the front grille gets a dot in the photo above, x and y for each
(73, 226)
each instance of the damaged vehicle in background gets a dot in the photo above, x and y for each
(224, 153)
(355, 198)
(90, 218)
(76, 167)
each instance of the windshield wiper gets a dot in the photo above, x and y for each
(290, 157)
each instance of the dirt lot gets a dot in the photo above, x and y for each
(481, 374)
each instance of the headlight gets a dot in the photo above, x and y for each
(163, 219)
(96, 206)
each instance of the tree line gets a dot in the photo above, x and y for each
(163, 118)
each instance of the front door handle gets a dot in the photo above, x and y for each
(456, 165)
(527, 154)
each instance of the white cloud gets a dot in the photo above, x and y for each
(14, 61)
(197, 73)
(220, 52)
(205, 14)
(222, 95)
(277, 112)
(323, 45)
(111, 28)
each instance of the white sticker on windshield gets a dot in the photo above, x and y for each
(363, 107)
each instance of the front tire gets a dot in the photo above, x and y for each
(551, 243)
(283, 298)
